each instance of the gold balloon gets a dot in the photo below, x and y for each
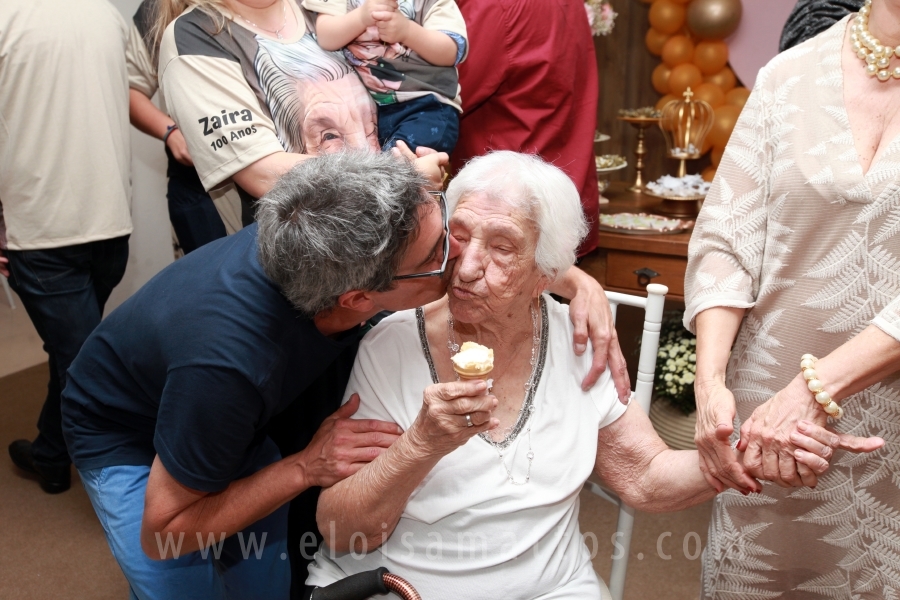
(724, 119)
(666, 16)
(655, 41)
(713, 19)
(738, 96)
(708, 174)
(660, 78)
(664, 100)
(716, 155)
(725, 79)
(683, 77)
(710, 93)
(677, 50)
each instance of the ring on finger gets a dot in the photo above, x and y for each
(469, 422)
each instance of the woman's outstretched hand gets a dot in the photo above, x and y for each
(768, 437)
(441, 426)
(715, 424)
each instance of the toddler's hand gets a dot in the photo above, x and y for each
(392, 26)
(369, 7)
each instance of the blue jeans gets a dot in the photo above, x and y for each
(248, 565)
(193, 215)
(423, 121)
(64, 291)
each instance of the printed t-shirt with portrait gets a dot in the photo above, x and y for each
(394, 73)
(238, 96)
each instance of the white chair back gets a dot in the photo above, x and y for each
(653, 312)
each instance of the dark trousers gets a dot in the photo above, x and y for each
(193, 215)
(64, 291)
(424, 121)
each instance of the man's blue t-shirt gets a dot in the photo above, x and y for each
(193, 368)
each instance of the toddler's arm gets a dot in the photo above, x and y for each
(336, 31)
(436, 47)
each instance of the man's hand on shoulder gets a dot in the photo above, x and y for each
(342, 446)
(592, 318)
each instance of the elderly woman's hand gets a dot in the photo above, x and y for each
(441, 426)
(816, 446)
(768, 436)
(715, 424)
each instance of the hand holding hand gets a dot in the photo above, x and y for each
(816, 446)
(441, 426)
(367, 8)
(342, 446)
(715, 424)
(178, 147)
(393, 26)
(766, 435)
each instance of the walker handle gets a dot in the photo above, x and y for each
(356, 587)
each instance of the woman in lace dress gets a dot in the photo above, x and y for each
(797, 250)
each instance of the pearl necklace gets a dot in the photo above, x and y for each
(278, 31)
(453, 346)
(876, 55)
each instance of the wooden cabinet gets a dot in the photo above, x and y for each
(627, 263)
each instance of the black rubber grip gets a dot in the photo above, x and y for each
(355, 587)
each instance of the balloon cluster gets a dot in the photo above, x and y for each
(688, 35)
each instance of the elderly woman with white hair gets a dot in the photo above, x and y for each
(479, 497)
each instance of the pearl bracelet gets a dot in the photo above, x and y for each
(807, 362)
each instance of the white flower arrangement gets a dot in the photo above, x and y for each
(600, 16)
(676, 366)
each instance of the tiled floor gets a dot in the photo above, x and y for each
(20, 346)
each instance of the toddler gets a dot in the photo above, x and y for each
(406, 55)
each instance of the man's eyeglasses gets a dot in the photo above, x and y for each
(442, 200)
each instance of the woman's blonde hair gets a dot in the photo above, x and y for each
(169, 10)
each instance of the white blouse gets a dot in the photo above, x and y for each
(466, 531)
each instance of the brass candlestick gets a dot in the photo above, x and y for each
(641, 124)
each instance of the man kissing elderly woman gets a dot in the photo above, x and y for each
(478, 498)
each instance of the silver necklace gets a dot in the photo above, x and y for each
(278, 31)
(453, 346)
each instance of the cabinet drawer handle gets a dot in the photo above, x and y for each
(645, 275)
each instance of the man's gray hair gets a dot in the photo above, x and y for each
(280, 67)
(339, 222)
(542, 191)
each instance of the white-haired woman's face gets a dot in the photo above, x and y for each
(337, 115)
(496, 266)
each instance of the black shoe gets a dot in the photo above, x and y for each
(53, 479)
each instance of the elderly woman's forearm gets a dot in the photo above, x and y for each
(673, 482)
(371, 501)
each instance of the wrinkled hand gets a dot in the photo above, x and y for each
(715, 424)
(441, 426)
(816, 446)
(433, 165)
(178, 147)
(369, 7)
(4, 264)
(393, 26)
(766, 435)
(592, 319)
(342, 446)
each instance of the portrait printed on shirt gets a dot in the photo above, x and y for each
(312, 97)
